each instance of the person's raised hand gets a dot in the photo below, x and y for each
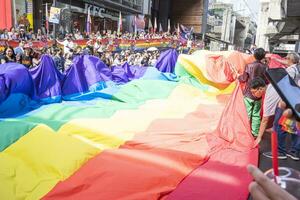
(262, 188)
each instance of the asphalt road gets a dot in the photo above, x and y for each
(266, 163)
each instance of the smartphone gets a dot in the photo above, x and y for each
(287, 89)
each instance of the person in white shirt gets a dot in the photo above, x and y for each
(117, 61)
(189, 44)
(68, 45)
(272, 98)
(96, 46)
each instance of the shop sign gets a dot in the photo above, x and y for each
(54, 15)
(95, 10)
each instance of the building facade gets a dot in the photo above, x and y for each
(279, 25)
(188, 13)
(104, 13)
(14, 11)
(245, 32)
(221, 23)
(227, 29)
(263, 25)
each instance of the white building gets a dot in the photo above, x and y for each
(245, 31)
(222, 21)
(230, 27)
(262, 26)
(279, 24)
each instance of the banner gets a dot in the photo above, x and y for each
(29, 12)
(115, 45)
(35, 44)
(54, 15)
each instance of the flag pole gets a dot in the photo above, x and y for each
(155, 25)
(169, 26)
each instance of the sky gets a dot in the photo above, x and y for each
(245, 7)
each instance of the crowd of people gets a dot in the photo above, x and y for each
(64, 51)
(257, 87)
(263, 101)
(65, 48)
(64, 55)
(27, 34)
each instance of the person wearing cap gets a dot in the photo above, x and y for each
(23, 35)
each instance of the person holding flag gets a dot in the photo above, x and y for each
(160, 28)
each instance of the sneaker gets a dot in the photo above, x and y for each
(281, 156)
(293, 155)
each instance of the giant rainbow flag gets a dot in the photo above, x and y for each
(126, 132)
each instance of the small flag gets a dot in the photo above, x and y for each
(88, 22)
(135, 25)
(155, 25)
(160, 28)
(47, 19)
(150, 27)
(169, 26)
(120, 24)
